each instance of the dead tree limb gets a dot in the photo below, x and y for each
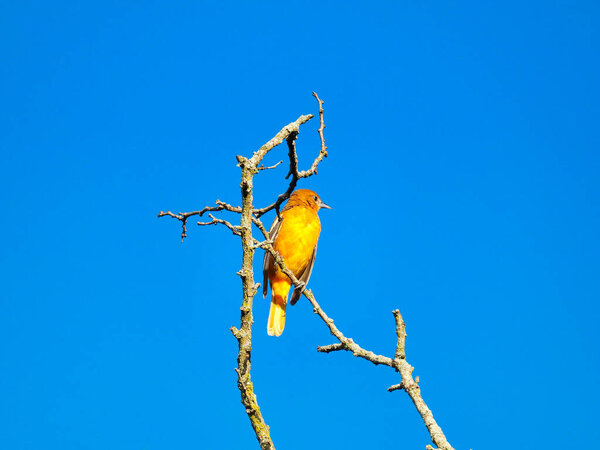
(250, 215)
(397, 363)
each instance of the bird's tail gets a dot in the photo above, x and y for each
(276, 321)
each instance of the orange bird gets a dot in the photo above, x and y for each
(295, 234)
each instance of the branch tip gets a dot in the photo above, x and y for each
(331, 348)
(395, 387)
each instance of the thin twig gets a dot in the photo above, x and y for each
(183, 217)
(331, 348)
(262, 167)
(234, 228)
(323, 152)
(401, 335)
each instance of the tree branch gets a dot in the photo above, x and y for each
(183, 217)
(250, 215)
(323, 152)
(293, 157)
(249, 288)
(234, 228)
(262, 167)
(398, 363)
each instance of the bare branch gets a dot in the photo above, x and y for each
(269, 167)
(330, 348)
(249, 288)
(183, 217)
(278, 139)
(169, 213)
(293, 155)
(288, 133)
(293, 170)
(323, 152)
(234, 228)
(283, 197)
(401, 335)
(261, 227)
(228, 207)
(398, 363)
(248, 216)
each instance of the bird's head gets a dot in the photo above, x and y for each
(307, 198)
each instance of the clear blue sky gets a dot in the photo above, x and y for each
(463, 172)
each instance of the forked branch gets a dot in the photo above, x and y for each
(250, 215)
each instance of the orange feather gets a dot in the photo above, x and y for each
(295, 234)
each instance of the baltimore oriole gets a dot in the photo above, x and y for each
(295, 233)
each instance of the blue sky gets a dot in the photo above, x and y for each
(463, 173)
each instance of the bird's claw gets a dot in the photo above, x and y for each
(301, 286)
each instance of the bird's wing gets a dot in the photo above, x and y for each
(268, 260)
(305, 276)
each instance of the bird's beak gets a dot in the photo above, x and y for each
(323, 205)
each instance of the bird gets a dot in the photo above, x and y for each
(294, 233)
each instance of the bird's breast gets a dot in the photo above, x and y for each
(297, 238)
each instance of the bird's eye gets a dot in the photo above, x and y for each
(316, 198)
